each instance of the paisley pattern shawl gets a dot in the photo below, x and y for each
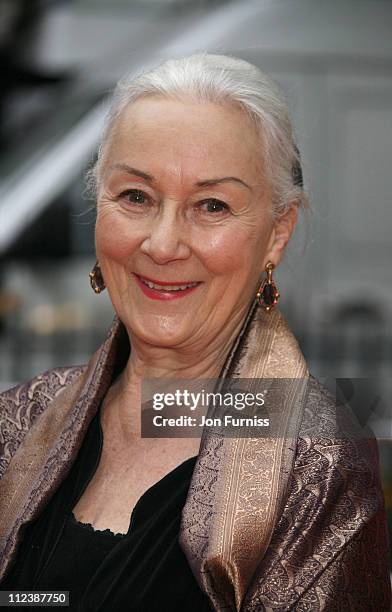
(42, 426)
(269, 524)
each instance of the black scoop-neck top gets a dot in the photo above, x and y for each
(144, 570)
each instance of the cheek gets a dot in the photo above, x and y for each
(113, 238)
(234, 252)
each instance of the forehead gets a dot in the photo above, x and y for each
(187, 135)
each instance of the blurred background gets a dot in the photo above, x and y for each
(59, 61)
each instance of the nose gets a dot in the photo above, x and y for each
(166, 238)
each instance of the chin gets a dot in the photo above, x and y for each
(162, 331)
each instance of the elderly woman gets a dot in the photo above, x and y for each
(198, 188)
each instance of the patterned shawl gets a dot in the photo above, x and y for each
(295, 521)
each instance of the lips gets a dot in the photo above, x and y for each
(165, 290)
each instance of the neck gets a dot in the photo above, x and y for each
(197, 360)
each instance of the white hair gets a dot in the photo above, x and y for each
(207, 77)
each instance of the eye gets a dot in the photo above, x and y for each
(213, 205)
(134, 196)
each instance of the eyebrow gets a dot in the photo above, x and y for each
(130, 170)
(206, 183)
(225, 179)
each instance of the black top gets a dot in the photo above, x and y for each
(144, 569)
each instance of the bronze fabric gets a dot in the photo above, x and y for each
(294, 521)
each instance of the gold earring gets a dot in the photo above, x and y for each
(268, 294)
(96, 279)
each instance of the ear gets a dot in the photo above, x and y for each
(282, 231)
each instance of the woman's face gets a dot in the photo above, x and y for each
(184, 225)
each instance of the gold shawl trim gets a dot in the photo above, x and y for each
(239, 485)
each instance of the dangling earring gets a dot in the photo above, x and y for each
(96, 279)
(268, 293)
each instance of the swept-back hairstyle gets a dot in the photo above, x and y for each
(222, 79)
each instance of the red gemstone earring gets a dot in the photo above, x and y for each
(96, 279)
(268, 294)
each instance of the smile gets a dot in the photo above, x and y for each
(163, 290)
